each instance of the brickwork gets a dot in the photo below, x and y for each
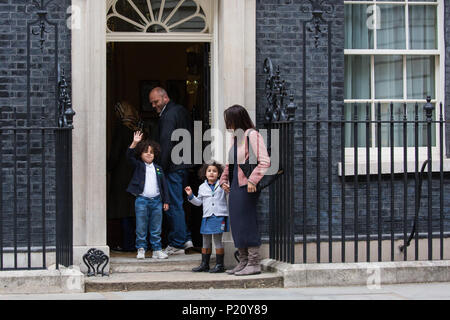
(279, 36)
(28, 84)
(447, 71)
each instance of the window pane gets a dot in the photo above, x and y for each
(391, 32)
(398, 113)
(420, 77)
(422, 27)
(397, 110)
(357, 33)
(357, 77)
(388, 77)
(363, 130)
(421, 127)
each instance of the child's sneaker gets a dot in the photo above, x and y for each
(159, 255)
(141, 253)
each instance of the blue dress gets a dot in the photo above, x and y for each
(243, 216)
(213, 224)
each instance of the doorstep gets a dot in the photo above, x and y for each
(129, 274)
(180, 280)
(127, 263)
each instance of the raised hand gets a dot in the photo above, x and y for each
(137, 137)
(188, 190)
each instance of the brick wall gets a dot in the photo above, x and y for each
(447, 71)
(27, 158)
(279, 27)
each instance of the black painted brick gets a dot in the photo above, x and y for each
(22, 184)
(447, 71)
(279, 34)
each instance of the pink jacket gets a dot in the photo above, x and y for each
(259, 149)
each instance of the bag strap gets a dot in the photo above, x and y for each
(250, 147)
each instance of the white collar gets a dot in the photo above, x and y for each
(160, 114)
(149, 165)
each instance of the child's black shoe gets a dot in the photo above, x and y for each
(219, 267)
(204, 266)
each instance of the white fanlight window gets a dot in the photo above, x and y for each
(394, 52)
(158, 17)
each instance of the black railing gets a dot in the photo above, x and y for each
(357, 185)
(36, 155)
(281, 205)
(64, 190)
(279, 117)
(355, 178)
(36, 190)
(64, 209)
(29, 193)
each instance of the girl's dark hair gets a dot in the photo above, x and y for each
(237, 117)
(143, 147)
(204, 167)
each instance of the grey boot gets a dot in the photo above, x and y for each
(243, 259)
(253, 265)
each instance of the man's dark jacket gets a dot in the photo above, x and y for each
(173, 117)
(137, 183)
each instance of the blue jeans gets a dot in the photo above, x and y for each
(148, 220)
(178, 231)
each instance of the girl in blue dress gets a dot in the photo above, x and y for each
(215, 215)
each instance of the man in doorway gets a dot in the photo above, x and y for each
(173, 116)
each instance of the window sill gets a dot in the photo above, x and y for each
(386, 167)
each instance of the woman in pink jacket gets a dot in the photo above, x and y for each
(243, 192)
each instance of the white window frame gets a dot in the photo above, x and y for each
(209, 7)
(439, 54)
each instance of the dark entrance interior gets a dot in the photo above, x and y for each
(133, 69)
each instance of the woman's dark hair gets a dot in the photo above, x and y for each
(202, 170)
(143, 147)
(237, 117)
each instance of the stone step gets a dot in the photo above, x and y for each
(180, 280)
(177, 262)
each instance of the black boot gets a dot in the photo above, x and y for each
(204, 266)
(219, 267)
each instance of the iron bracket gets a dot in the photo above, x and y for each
(95, 257)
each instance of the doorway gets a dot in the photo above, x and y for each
(133, 69)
